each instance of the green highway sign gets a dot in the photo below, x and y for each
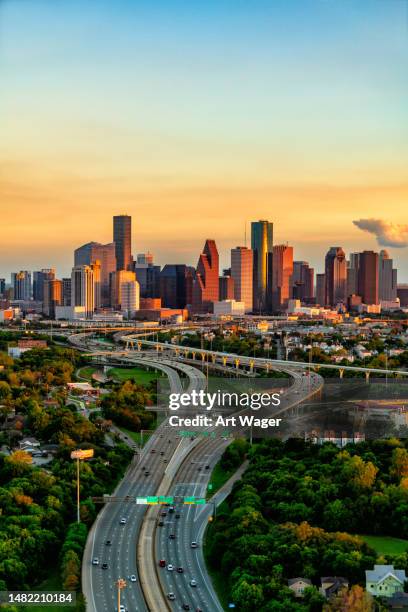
(210, 486)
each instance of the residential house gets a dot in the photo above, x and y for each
(331, 585)
(385, 581)
(298, 585)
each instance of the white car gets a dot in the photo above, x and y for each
(194, 545)
(95, 561)
(170, 567)
(193, 583)
(133, 578)
(123, 521)
(171, 596)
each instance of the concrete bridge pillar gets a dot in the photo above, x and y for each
(139, 346)
(251, 365)
(341, 372)
(224, 361)
(237, 362)
(367, 375)
(213, 357)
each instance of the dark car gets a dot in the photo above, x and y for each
(104, 566)
(180, 570)
(162, 563)
(207, 467)
(162, 453)
(147, 473)
(186, 607)
(108, 542)
(160, 523)
(163, 513)
(172, 536)
(177, 515)
(171, 509)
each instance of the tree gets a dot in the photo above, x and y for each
(355, 599)
(399, 466)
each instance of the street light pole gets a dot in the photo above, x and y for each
(78, 513)
(121, 585)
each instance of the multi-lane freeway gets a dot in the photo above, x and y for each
(165, 465)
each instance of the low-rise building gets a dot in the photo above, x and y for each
(298, 585)
(385, 581)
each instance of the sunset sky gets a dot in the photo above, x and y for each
(196, 117)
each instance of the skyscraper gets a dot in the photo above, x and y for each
(352, 274)
(121, 290)
(88, 253)
(205, 285)
(282, 272)
(226, 287)
(320, 289)
(261, 245)
(387, 280)
(2, 286)
(368, 275)
(39, 278)
(21, 282)
(336, 277)
(242, 274)
(303, 281)
(52, 296)
(173, 292)
(122, 237)
(66, 291)
(82, 289)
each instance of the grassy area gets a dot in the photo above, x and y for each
(86, 372)
(141, 376)
(385, 545)
(219, 477)
(135, 436)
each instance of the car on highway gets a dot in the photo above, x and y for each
(162, 453)
(207, 467)
(104, 566)
(133, 578)
(177, 515)
(146, 473)
(171, 596)
(172, 536)
(163, 513)
(162, 563)
(153, 451)
(123, 521)
(160, 524)
(95, 561)
(180, 570)
(170, 567)
(194, 545)
(171, 510)
(108, 543)
(185, 606)
(193, 583)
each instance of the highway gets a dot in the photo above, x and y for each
(120, 556)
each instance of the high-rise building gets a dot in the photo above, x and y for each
(52, 296)
(66, 292)
(205, 285)
(2, 286)
(91, 252)
(402, 294)
(121, 290)
(336, 277)
(39, 278)
(130, 297)
(261, 245)
(148, 276)
(83, 289)
(173, 278)
(242, 274)
(21, 282)
(282, 272)
(368, 275)
(352, 274)
(387, 278)
(122, 237)
(320, 289)
(145, 258)
(226, 287)
(303, 281)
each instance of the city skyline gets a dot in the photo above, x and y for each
(164, 114)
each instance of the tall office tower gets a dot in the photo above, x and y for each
(173, 280)
(39, 278)
(336, 277)
(352, 274)
(282, 272)
(190, 276)
(2, 286)
(118, 282)
(261, 245)
(303, 281)
(387, 278)
(96, 269)
(145, 258)
(82, 289)
(368, 275)
(122, 237)
(148, 276)
(320, 289)
(130, 297)
(21, 282)
(66, 292)
(88, 253)
(226, 287)
(205, 285)
(52, 296)
(402, 294)
(242, 272)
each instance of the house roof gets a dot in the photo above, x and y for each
(295, 580)
(381, 572)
